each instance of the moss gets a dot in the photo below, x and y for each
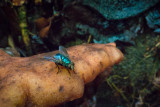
(133, 77)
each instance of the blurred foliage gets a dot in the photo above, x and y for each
(23, 26)
(77, 41)
(133, 77)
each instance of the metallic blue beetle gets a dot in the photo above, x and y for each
(61, 58)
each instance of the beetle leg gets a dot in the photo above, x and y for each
(68, 71)
(74, 71)
(58, 68)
